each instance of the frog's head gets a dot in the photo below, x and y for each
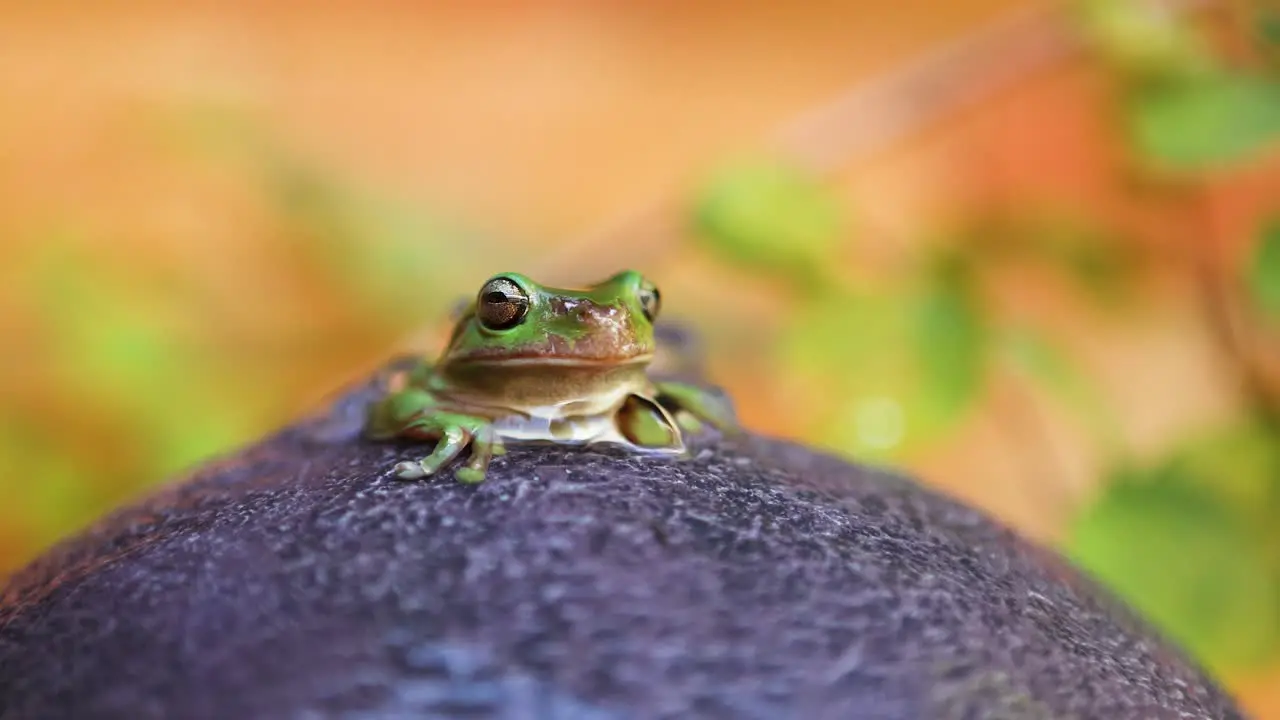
(515, 320)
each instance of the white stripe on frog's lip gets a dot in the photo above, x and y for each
(560, 361)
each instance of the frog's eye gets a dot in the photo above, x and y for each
(502, 304)
(650, 301)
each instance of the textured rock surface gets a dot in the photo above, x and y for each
(759, 580)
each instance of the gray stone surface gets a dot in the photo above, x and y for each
(758, 580)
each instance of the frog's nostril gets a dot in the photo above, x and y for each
(587, 310)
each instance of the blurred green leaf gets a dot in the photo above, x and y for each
(1206, 122)
(103, 324)
(1239, 460)
(771, 216)
(1183, 556)
(850, 346)
(1263, 273)
(847, 336)
(118, 346)
(949, 339)
(1145, 40)
(55, 495)
(397, 260)
(214, 426)
(1267, 26)
(894, 369)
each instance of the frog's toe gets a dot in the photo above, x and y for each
(476, 467)
(482, 451)
(714, 414)
(451, 440)
(688, 422)
(703, 406)
(409, 471)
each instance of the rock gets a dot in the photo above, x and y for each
(297, 579)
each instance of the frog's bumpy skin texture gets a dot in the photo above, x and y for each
(296, 579)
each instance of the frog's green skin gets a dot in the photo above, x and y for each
(533, 363)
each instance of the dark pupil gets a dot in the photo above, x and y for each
(501, 309)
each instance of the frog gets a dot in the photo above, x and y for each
(527, 363)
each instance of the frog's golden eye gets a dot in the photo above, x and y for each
(502, 304)
(650, 301)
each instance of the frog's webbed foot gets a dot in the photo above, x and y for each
(646, 423)
(692, 406)
(453, 432)
(484, 445)
(453, 439)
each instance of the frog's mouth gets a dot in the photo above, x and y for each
(565, 362)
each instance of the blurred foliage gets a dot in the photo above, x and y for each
(125, 367)
(1188, 537)
(774, 218)
(1263, 276)
(1185, 108)
(880, 365)
(907, 360)
(1191, 538)
(1206, 121)
(1171, 542)
(149, 388)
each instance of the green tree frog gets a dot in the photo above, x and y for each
(533, 363)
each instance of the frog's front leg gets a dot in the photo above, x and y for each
(416, 414)
(692, 405)
(452, 433)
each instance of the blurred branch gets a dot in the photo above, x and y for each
(874, 115)
(1229, 332)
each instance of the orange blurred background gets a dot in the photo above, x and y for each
(213, 214)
